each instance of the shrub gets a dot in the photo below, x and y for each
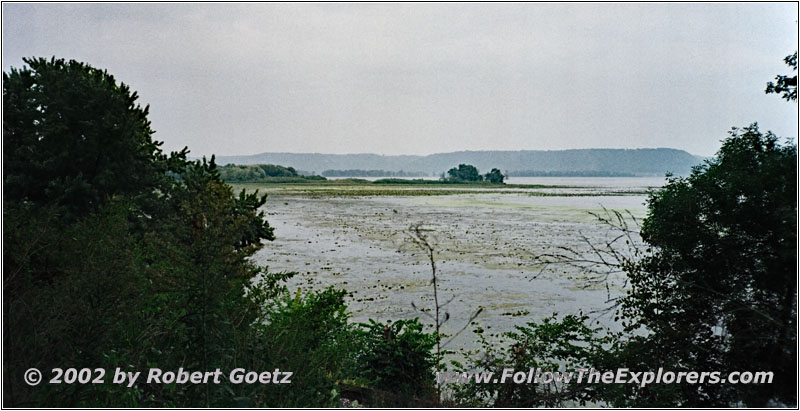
(550, 344)
(397, 357)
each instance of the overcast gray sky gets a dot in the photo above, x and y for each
(425, 78)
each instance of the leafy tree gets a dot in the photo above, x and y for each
(116, 255)
(74, 137)
(495, 176)
(785, 85)
(720, 289)
(464, 173)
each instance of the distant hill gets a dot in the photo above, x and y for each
(642, 161)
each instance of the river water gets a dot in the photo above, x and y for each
(486, 244)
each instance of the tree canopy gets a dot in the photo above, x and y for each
(495, 176)
(464, 173)
(720, 290)
(73, 136)
(256, 172)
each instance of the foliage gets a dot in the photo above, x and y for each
(720, 289)
(115, 254)
(422, 239)
(786, 86)
(263, 173)
(308, 334)
(118, 256)
(464, 172)
(73, 137)
(105, 291)
(495, 176)
(714, 286)
(550, 344)
(65, 286)
(397, 357)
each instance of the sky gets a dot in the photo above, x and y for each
(422, 78)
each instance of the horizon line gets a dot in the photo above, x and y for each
(444, 152)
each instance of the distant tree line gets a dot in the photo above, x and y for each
(576, 173)
(261, 173)
(372, 173)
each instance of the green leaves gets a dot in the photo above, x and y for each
(73, 137)
(255, 173)
(786, 86)
(550, 344)
(115, 247)
(397, 357)
(464, 172)
(718, 292)
(495, 176)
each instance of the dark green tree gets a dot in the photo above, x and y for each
(464, 173)
(74, 137)
(495, 176)
(116, 254)
(786, 86)
(719, 290)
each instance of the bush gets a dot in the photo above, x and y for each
(309, 335)
(397, 357)
(551, 345)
